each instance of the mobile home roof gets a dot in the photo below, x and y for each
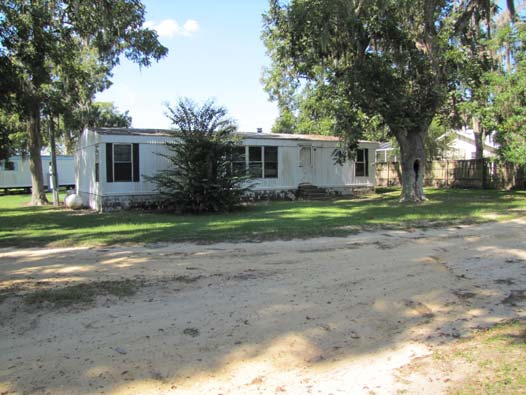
(167, 132)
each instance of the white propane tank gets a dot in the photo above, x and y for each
(74, 202)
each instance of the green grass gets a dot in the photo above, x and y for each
(81, 293)
(500, 358)
(24, 226)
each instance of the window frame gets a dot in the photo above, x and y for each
(364, 162)
(250, 163)
(111, 163)
(265, 162)
(238, 160)
(7, 165)
(130, 146)
(262, 162)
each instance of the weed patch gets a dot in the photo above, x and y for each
(81, 293)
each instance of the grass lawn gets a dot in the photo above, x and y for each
(496, 358)
(25, 226)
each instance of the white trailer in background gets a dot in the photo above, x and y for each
(15, 173)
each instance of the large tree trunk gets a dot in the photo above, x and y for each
(478, 134)
(68, 142)
(38, 195)
(413, 161)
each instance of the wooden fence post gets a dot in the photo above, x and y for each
(447, 173)
(484, 176)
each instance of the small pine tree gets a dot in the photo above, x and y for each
(202, 177)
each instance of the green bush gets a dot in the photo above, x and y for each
(202, 177)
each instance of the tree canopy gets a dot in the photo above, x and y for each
(510, 100)
(105, 114)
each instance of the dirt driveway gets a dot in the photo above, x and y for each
(320, 316)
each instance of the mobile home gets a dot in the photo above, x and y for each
(15, 173)
(111, 165)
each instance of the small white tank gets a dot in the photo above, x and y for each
(74, 202)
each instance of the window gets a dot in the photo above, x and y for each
(122, 162)
(239, 157)
(263, 161)
(7, 165)
(271, 162)
(361, 164)
(255, 161)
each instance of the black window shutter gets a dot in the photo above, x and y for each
(366, 160)
(136, 176)
(109, 162)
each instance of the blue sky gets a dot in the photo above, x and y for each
(215, 51)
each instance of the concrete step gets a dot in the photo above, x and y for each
(311, 192)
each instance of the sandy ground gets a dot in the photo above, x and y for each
(318, 316)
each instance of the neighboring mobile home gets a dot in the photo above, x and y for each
(111, 165)
(15, 173)
(462, 147)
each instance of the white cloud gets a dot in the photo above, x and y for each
(190, 26)
(170, 28)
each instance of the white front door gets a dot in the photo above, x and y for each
(306, 164)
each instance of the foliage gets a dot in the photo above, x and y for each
(39, 226)
(510, 101)
(285, 122)
(369, 54)
(12, 136)
(5, 144)
(488, 87)
(481, 50)
(484, 59)
(309, 111)
(202, 177)
(103, 114)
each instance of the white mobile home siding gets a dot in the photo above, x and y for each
(150, 162)
(20, 177)
(322, 171)
(86, 184)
